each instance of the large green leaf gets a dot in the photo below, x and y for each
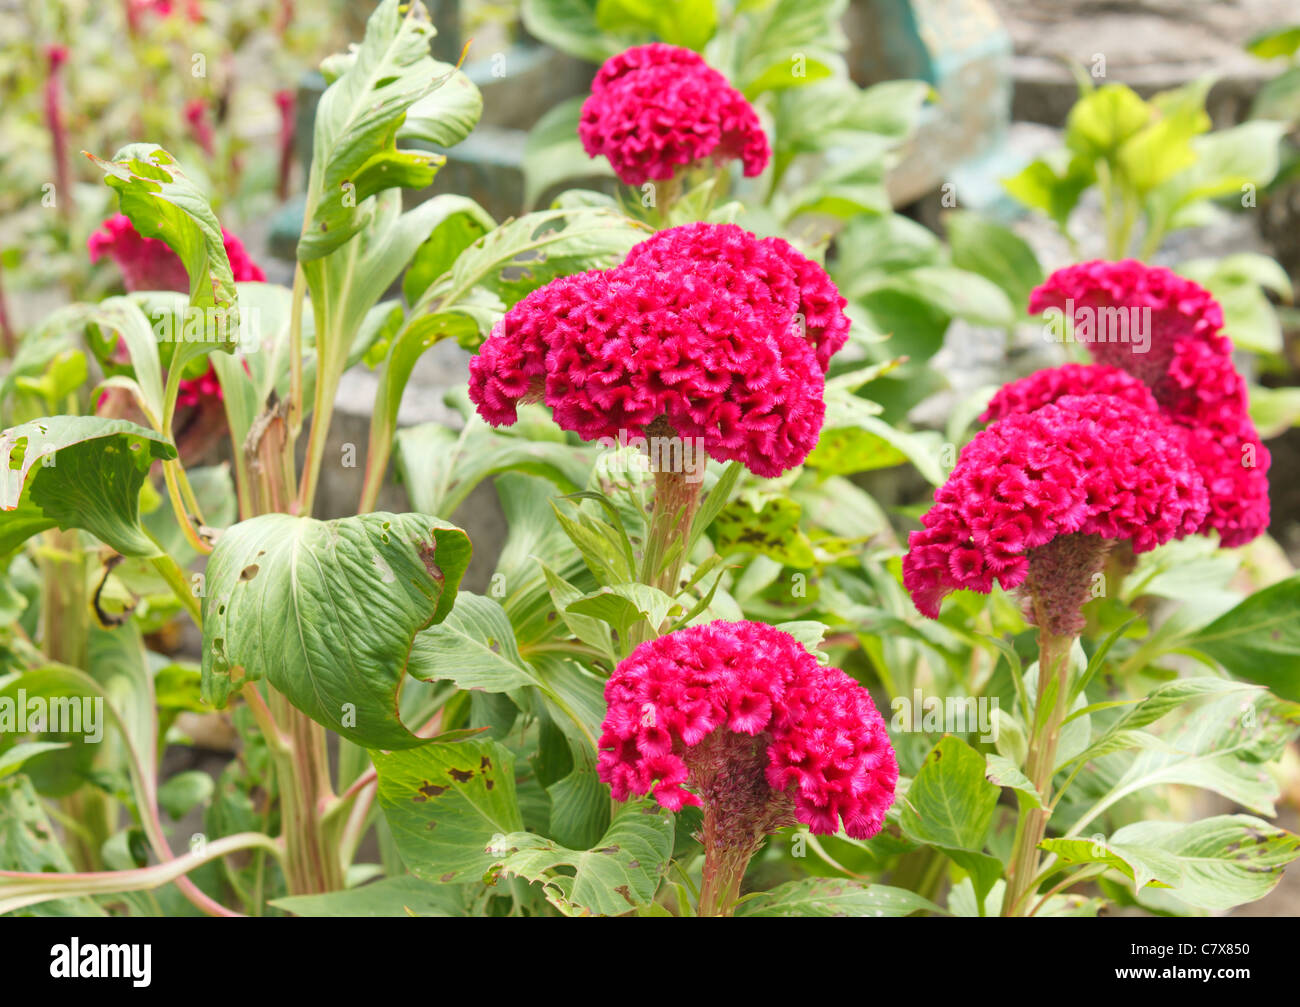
(473, 647)
(326, 611)
(163, 203)
(400, 896)
(29, 843)
(949, 805)
(446, 115)
(78, 472)
(521, 255)
(446, 803)
(619, 873)
(455, 223)
(1259, 640)
(354, 148)
(835, 897)
(1214, 864)
(1222, 748)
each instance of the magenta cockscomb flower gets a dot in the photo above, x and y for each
(1165, 331)
(720, 335)
(1072, 475)
(149, 264)
(1048, 385)
(740, 719)
(656, 108)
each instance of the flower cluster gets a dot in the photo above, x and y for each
(1084, 464)
(655, 108)
(1188, 369)
(677, 700)
(722, 335)
(148, 264)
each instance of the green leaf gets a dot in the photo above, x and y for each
(1143, 865)
(687, 23)
(327, 611)
(619, 874)
(163, 203)
(624, 606)
(1216, 863)
(85, 472)
(1103, 120)
(768, 525)
(1002, 772)
(553, 153)
(354, 148)
(400, 896)
(994, 252)
(1276, 43)
(835, 897)
(446, 115)
(455, 223)
(473, 647)
(445, 804)
(12, 760)
(784, 29)
(441, 467)
(950, 802)
(185, 791)
(570, 26)
(957, 293)
(1259, 640)
(28, 842)
(1052, 184)
(1274, 410)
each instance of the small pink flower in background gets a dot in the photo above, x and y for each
(721, 334)
(148, 264)
(739, 718)
(1069, 474)
(1187, 369)
(656, 108)
(196, 114)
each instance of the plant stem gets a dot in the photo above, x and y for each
(1053, 698)
(724, 868)
(312, 865)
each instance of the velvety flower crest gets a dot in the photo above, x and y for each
(677, 701)
(1085, 464)
(656, 108)
(723, 335)
(1187, 366)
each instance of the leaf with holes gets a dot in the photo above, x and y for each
(619, 873)
(327, 611)
(78, 472)
(446, 803)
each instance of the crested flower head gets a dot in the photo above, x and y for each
(739, 717)
(656, 108)
(1088, 465)
(722, 336)
(1052, 383)
(1185, 361)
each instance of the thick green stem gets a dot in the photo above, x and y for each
(312, 863)
(724, 868)
(1053, 699)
